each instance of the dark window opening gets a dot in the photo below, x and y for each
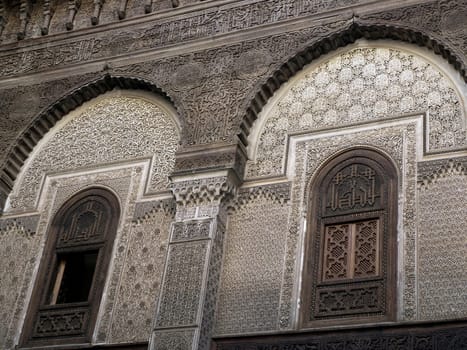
(74, 277)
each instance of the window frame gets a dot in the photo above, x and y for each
(312, 275)
(47, 272)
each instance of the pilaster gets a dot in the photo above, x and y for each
(186, 307)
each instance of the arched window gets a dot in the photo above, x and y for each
(349, 273)
(72, 273)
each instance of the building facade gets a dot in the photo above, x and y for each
(233, 174)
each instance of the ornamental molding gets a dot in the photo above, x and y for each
(169, 29)
(430, 172)
(161, 31)
(204, 190)
(145, 210)
(275, 193)
(25, 224)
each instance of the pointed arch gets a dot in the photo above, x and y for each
(343, 38)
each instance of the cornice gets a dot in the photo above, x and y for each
(172, 29)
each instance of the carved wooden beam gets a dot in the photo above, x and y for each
(47, 12)
(122, 9)
(25, 7)
(148, 6)
(73, 7)
(97, 11)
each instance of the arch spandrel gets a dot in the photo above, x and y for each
(113, 128)
(366, 83)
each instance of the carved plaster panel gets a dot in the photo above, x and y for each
(227, 157)
(138, 291)
(143, 210)
(439, 19)
(108, 129)
(189, 230)
(182, 283)
(429, 171)
(212, 287)
(18, 248)
(423, 14)
(442, 245)
(276, 193)
(357, 86)
(251, 279)
(27, 223)
(173, 340)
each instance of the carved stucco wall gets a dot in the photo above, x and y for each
(360, 85)
(251, 276)
(127, 144)
(233, 78)
(442, 243)
(389, 98)
(137, 296)
(18, 247)
(111, 128)
(124, 182)
(264, 238)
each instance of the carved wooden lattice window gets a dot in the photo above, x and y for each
(73, 269)
(349, 275)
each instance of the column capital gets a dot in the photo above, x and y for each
(204, 188)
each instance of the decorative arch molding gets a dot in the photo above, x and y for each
(343, 38)
(36, 130)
